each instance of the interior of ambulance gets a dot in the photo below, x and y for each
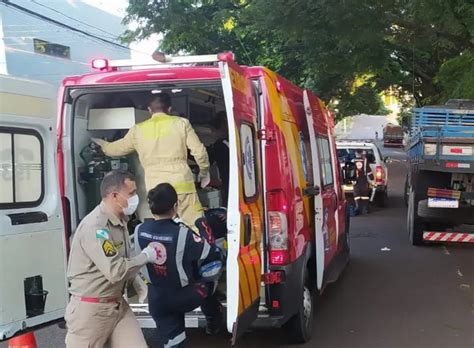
(109, 113)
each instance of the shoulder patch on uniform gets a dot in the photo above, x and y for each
(102, 233)
(108, 248)
(161, 254)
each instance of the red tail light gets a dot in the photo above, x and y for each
(379, 174)
(278, 237)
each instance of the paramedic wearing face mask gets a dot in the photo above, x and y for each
(99, 267)
(162, 144)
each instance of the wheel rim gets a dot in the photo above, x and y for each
(307, 305)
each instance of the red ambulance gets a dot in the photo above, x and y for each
(287, 223)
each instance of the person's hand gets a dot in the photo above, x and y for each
(222, 217)
(98, 141)
(141, 289)
(151, 254)
(204, 179)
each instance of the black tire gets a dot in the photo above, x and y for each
(300, 326)
(414, 225)
(380, 198)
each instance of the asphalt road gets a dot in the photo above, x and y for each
(401, 296)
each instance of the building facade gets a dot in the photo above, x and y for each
(50, 39)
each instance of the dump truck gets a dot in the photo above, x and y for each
(439, 188)
(392, 135)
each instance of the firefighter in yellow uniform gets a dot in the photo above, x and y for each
(100, 264)
(162, 144)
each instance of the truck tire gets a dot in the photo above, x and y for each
(381, 198)
(301, 324)
(414, 225)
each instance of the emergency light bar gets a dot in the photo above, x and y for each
(112, 65)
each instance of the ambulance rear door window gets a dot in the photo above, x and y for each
(326, 163)
(247, 143)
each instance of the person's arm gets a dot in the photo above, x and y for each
(120, 147)
(199, 250)
(205, 230)
(107, 259)
(368, 170)
(198, 150)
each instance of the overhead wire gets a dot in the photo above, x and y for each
(74, 19)
(27, 11)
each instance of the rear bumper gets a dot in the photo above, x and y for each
(452, 237)
(196, 319)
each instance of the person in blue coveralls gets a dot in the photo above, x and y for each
(186, 271)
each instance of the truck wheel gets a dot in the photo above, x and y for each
(380, 198)
(414, 226)
(300, 326)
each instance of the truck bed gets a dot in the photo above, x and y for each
(442, 140)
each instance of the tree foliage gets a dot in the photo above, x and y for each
(423, 47)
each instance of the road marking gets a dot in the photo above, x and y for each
(465, 287)
(459, 273)
(445, 250)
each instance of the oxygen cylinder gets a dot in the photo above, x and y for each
(92, 174)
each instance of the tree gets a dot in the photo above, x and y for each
(327, 45)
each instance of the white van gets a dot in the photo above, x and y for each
(32, 242)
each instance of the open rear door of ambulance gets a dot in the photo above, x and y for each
(32, 242)
(245, 215)
(311, 110)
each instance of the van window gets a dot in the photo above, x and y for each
(305, 159)
(21, 168)
(326, 163)
(247, 143)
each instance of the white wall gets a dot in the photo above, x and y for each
(19, 30)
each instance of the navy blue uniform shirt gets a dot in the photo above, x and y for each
(180, 252)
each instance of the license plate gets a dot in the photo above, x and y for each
(443, 203)
(348, 188)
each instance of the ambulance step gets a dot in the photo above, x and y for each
(455, 237)
(194, 319)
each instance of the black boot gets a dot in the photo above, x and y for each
(214, 322)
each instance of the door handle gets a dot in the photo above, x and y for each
(312, 190)
(247, 229)
(32, 217)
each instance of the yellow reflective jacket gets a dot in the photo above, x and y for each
(161, 143)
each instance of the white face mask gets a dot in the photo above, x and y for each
(132, 205)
